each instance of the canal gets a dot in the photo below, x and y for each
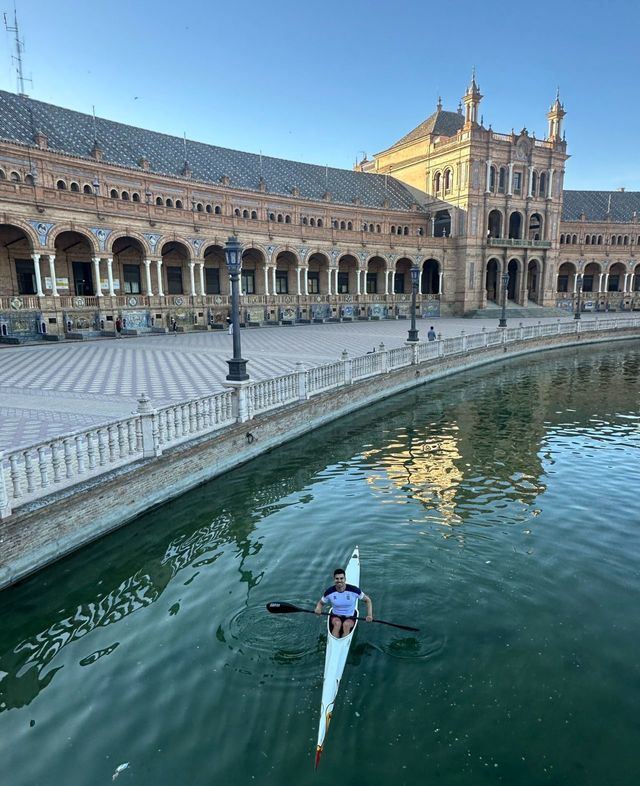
(498, 511)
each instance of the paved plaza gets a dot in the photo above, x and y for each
(52, 389)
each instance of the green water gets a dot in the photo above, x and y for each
(498, 511)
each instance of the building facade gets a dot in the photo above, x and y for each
(107, 225)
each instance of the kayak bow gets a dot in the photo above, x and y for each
(335, 659)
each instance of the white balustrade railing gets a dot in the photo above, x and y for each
(34, 472)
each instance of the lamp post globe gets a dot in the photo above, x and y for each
(233, 257)
(576, 314)
(415, 276)
(505, 286)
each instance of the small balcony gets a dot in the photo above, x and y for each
(512, 242)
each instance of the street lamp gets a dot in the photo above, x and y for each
(578, 293)
(415, 275)
(505, 285)
(233, 256)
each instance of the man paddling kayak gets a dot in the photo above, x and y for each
(343, 598)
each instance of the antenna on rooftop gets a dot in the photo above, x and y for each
(17, 58)
(95, 133)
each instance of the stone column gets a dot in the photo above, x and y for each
(273, 280)
(606, 282)
(440, 282)
(36, 270)
(530, 189)
(110, 276)
(52, 274)
(266, 280)
(329, 280)
(306, 280)
(159, 274)
(600, 275)
(298, 291)
(386, 281)
(147, 276)
(510, 186)
(358, 274)
(201, 278)
(488, 188)
(550, 184)
(96, 275)
(192, 279)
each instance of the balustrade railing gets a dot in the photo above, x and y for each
(32, 473)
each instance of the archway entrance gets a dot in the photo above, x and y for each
(491, 279)
(533, 280)
(430, 283)
(512, 288)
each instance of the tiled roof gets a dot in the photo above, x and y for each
(440, 123)
(599, 205)
(73, 132)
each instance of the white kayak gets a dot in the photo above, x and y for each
(335, 659)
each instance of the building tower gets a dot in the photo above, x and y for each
(555, 116)
(472, 100)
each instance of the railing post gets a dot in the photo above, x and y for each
(303, 395)
(384, 358)
(464, 342)
(240, 400)
(5, 507)
(348, 371)
(440, 346)
(148, 427)
(485, 339)
(558, 326)
(521, 333)
(538, 329)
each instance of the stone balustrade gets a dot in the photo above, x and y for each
(32, 474)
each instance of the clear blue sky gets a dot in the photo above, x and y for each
(323, 81)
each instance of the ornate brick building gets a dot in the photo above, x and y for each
(103, 222)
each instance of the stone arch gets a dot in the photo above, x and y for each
(17, 269)
(175, 256)
(376, 270)
(515, 225)
(128, 254)
(118, 234)
(442, 224)
(430, 277)
(591, 277)
(216, 278)
(91, 239)
(566, 277)
(402, 277)
(492, 273)
(74, 253)
(535, 231)
(348, 268)
(534, 279)
(635, 278)
(494, 223)
(514, 270)
(254, 270)
(318, 266)
(615, 279)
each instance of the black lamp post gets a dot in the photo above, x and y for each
(578, 293)
(233, 255)
(505, 284)
(415, 275)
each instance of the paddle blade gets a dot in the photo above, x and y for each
(276, 607)
(318, 754)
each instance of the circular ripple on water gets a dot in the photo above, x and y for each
(274, 646)
(410, 646)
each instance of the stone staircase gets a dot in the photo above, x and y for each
(515, 311)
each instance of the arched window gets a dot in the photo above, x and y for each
(492, 179)
(125, 196)
(371, 228)
(73, 187)
(599, 243)
(287, 219)
(87, 189)
(343, 225)
(208, 209)
(393, 229)
(587, 240)
(502, 177)
(534, 183)
(217, 210)
(280, 218)
(543, 184)
(378, 228)
(574, 240)
(272, 216)
(245, 214)
(349, 225)
(515, 225)
(200, 207)
(236, 212)
(113, 194)
(135, 197)
(304, 221)
(178, 204)
(437, 182)
(613, 240)
(169, 203)
(406, 231)
(2, 175)
(320, 223)
(448, 178)
(15, 177)
(29, 180)
(561, 240)
(254, 214)
(625, 240)
(159, 201)
(494, 224)
(61, 185)
(312, 222)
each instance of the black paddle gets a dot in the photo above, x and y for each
(289, 608)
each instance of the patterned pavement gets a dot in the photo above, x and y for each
(52, 389)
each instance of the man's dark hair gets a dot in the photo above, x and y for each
(337, 571)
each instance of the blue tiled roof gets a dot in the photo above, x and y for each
(440, 123)
(619, 206)
(73, 132)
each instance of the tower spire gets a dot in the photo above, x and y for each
(555, 116)
(471, 100)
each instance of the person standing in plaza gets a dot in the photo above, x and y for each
(431, 335)
(343, 598)
(230, 325)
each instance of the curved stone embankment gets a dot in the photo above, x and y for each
(159, 455)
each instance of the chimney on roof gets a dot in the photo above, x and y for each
(225, 180)
(295, 191)
(262, 185)
(41, 140)
(96, 151)
(144, 163)
(186, 170)
(621, 188)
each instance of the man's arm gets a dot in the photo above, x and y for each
(367, 600)
(319, 606)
